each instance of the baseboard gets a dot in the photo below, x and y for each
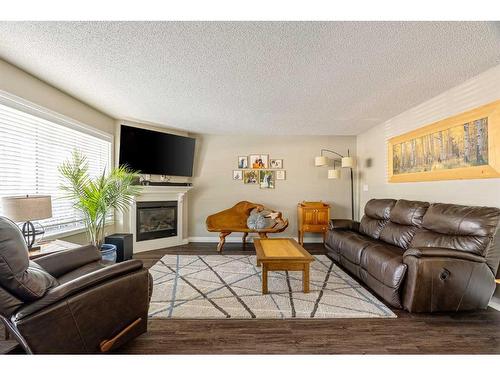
(230, 239)
(495, 303)
(180, 242)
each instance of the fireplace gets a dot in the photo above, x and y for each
(156, 220)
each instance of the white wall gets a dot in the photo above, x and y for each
(372, 148)
(214, 189)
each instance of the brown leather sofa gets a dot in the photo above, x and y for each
(69, 301)
(419, 256)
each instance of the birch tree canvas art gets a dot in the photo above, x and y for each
(461, 146)
(464, 146)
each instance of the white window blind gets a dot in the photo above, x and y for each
(32, 148)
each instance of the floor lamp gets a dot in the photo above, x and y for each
(345, 162)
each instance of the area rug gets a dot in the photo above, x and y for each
(229, 286)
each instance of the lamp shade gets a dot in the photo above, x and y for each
(27, 207)
(347, 162)
(320, 161)
(334, 173)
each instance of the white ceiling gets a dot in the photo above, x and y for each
(337, 78)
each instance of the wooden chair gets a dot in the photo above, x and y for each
(234, 219)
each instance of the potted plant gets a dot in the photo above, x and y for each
(96, 197)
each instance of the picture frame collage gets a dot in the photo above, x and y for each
(259, 169)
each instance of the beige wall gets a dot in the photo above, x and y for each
(17, 82)
(214, 189)
(372, 148)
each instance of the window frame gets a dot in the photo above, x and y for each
(33, 109)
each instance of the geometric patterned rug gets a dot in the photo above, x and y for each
(229, 286)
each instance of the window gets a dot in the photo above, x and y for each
(33, 145)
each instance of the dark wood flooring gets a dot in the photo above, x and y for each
(461, 333)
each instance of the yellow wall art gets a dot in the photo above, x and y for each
(465, 146)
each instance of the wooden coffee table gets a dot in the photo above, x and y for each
(282, 254)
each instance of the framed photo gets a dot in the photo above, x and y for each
(281, 175)
(266, 179)
(237, 175)
(242, 162)
(260, 161)
(250, 177)
(276, 163)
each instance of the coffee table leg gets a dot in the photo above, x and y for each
(305, 278)
(264, 279)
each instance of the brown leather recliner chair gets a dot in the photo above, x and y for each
(419, 256)
(69, 301)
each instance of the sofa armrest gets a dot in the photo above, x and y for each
(343, 224)
(440, 279)
(429, 252)
(79, 284)
(62, 262)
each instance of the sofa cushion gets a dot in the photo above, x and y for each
(390, 295)
(21, 277)
(350, 244)
(458, 227)
(406, 217)
(377, 213)
(379, 208)
(409, 212)
(384, 263)
(397, 234)
(461, 220)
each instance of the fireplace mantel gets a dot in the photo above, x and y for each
(127, 221)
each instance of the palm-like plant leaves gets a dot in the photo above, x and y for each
(95, 198)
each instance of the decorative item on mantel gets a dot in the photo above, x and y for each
(28, 208)
(96, 197)
(345, 162)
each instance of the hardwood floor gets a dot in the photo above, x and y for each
(462, 333)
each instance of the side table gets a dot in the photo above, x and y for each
(52, 246)
(312, 217)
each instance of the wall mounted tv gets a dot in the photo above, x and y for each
(152, 152)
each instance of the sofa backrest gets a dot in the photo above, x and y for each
(377, 213)
(19, 276)
(405, 218)
(465, 228)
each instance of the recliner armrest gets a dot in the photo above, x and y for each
(343, 224)
(62, 262)
(79, 284)
(428, 252)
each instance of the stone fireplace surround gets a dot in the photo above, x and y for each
(127, 222)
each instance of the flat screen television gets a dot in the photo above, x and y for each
(152, 152)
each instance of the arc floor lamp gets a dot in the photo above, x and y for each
(345, 162)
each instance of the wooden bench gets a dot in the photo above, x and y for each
(234, 219)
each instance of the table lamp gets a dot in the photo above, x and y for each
(28, 208)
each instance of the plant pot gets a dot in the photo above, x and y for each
(108, 252)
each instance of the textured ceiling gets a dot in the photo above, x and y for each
(253, 77)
